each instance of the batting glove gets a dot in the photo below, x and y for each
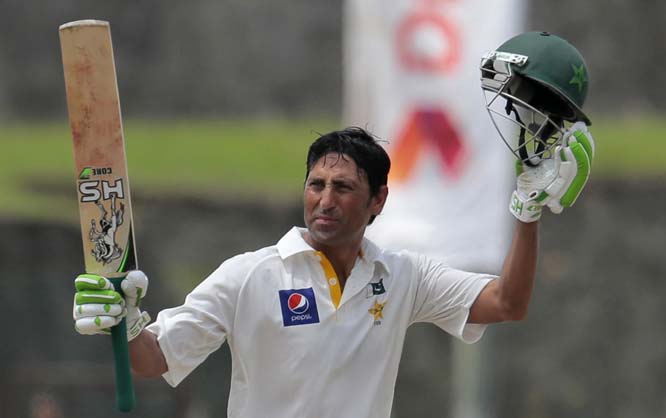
(97, 307)
(555, 182)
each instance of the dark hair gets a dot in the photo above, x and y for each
(360, 146)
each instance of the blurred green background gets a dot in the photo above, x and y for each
(215, 159)
(241, 158)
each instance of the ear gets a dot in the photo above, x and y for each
(377, 202)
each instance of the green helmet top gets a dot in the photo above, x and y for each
(553, 62)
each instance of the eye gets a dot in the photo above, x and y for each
(343, 187)
(316, 184)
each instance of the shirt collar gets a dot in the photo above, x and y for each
(375, 255)
(292, 243)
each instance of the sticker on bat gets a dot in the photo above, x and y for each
(94, 171)
(105, 247)
(94, 190)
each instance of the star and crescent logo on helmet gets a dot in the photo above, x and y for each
(579, 78)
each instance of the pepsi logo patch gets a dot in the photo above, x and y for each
(299, 307)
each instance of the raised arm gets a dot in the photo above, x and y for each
(555, 183)
(508, 298)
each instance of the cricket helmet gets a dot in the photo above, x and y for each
(543, 82)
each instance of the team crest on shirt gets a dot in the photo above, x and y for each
(377, 312)
(299, 307)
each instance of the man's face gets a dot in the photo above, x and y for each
(337, 202)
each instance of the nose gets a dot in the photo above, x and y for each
(327, 199)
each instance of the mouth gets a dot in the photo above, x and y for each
(325, 220)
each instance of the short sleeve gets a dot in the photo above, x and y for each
(444, 297)
(189, 333)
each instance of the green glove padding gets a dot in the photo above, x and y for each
(556, 182)
(97, 307)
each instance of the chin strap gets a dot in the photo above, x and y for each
(522, 149)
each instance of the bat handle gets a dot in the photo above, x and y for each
(125, 399)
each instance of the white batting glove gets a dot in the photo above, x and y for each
(555, 182)
(97, 307)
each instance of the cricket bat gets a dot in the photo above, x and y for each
(102, 184)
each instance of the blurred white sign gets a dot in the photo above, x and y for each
(412, 78)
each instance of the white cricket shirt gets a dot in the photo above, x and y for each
(302, 348)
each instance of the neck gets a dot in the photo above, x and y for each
(342, 257)
(343, 261)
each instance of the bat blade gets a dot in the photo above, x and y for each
(102, 183)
